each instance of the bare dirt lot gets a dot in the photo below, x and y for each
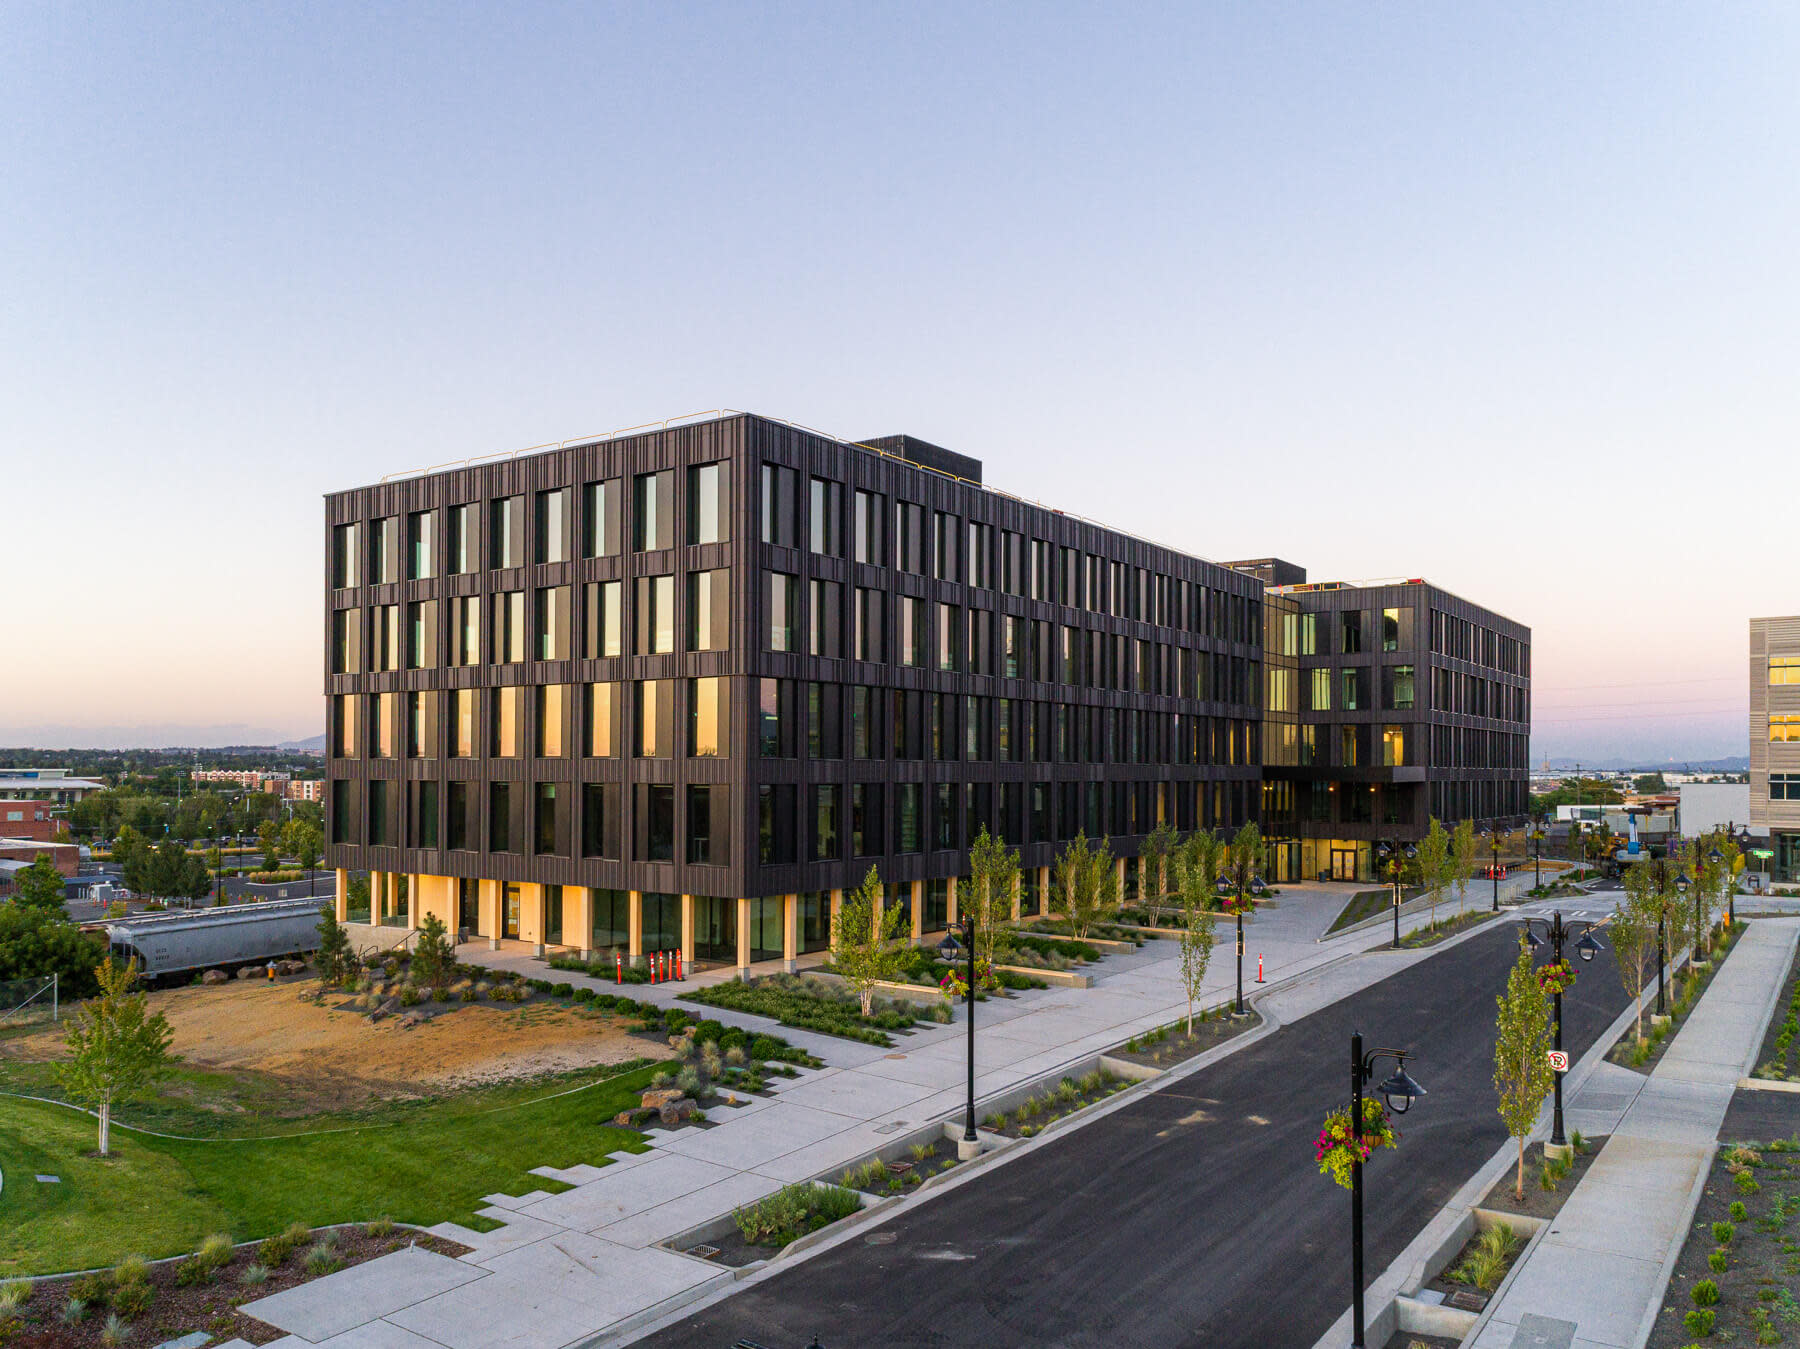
(330, 1058)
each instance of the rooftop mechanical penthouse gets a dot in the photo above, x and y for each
(678, 689)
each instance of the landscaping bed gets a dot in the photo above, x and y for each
(777, 1221)
(144, 1304)
(1778, 1060)
(813, 1004)
(1411, 1339)
(1443, 928)
(1642, 1055)
(1171, 1044)
(1034, 1114)
(1737, 1273)
(884, 1179)
(1128, 927)
(1543, 1199)
(718, 1067)
(1012, 947)
(1364, 904)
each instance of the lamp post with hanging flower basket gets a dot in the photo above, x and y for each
(1557, 978)
(1240, 887)
(1348, 1138)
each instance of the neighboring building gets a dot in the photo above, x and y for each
(65, 856)
(303, 789)
(1707, 806)
(45, 784)
(680, 690)
(1775, 741)
(1388, 703)
(250, 779)
(29, 819)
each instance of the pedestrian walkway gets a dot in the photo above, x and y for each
(1596, 1279)
(566, 1267)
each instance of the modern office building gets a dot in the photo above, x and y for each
(1775, 743)
(679, 689)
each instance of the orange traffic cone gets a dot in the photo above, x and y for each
(1259, 977)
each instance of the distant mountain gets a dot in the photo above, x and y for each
(168, 736)
(311, 745)
(1731, 763)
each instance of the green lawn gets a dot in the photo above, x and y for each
(418, 1162)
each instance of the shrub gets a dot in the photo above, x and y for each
(1738, 1211)
(736, 1057)
(555, 990)
(410, 996)
(74, 1311)
(1699, 1322)
(253, 1274)
(1724, 1232)
(688, 1081)
(91, 1290)
(1705, 1293)
(132, 1298)
(132, 1269)
(585, 994)
(382, 1227)
(115, 1330)
(13, 1295)
(274, 1251)
(1747, 1183)
(1718, 1262)
(323, 1259)
(793, 1211)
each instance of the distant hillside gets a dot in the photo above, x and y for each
(1732, 763)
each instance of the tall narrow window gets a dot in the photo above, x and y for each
(465, 539)
(465, 629)
(784, 600)
(343, 726)
(602, 718)
(600, 519)
(384, 632)
(869, 511)
(944, 529)
(604, 626)
(826, 517)
(552, 525)
(346, 571)
(462, 723)
(548, 831)
(706, 718)
(655, 718)
(775, 733)
(459, 827)
(655, 615)
(653, 512)
(908, 544)
(552, 623)
(777, 505)
(709, 610)
(948, 623)
(421, 527)
(346, 641)
(421, 634)
(421, 724)
(600, 820)
(825, 619)
(868, 624)
(912, 631)
(551, 712)
(709, 824)
(499, 817)
(506, 542)
(384, 536)
(505, 711)
(709, 503)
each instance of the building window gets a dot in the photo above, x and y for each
(947, 632)
(824, 620)
(462, 726)
(709, 503)
(908, 546)
(654, 822)
(1393, 746)
(499, 817)
(1350, 632)
(1784, 669)
(826, 847)
(777, 505)
(603, 630)
(381, 727)
(910, 799)
(384, 538)
(423, 816)
(465, 629)
(1396, 629)
(504, 710)
(343, 726)
(865, 733)
(706, 718)
(654, 719)
(708, 824)
(612, 919)
(553, 623)
(381, 815)
(823, 735)
(600, 833)
(600, 519)
(421, 634)
(458, 830)
(653, 512)
(509, 627)
(506, 534)
(868, 511)
(342, 812)
(865, 820)
(912, 631)
(552, 525)
(655, 615)
(1784, 729)
(464, 534)
(826, 520)
(1353, 689)
(601, 719)
(1397, 687)
(553, 915)
(784, 600)
(868, 624)
(551, 710)
(346, 540)
(384, 635)
(774, 719)
(981, 555)
(421, 725)
(547, 827)
(944, 529)
(1784, 786)
(709, 610)
(346, 641)
(420, 526)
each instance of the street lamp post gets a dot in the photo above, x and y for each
(1729, 881)
(1537, 856)
(1396, 856)
(1233, 886)
(1398, 1091)
(1586, 947)
(1494, 871)
(964, 928)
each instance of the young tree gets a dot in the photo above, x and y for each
(1462, 853)
(993, 875)
(334, 959)
(867, 940)
(305, 842)
(268, 838)
(39, 886)
(1084, 884)
(1633, 930)
(1201, 853)
(434, 957)
(1437, 864)
(116, 1047)
(1198, 931)
(1522, 1075)
(1153, 866)
(36, 943)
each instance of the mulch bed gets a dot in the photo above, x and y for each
(910, 1171)
(1773, 1059)
(1022, 1121)
(1410, 1339)
(1447, 927)
(1539, 1202)
(1177, 1046)
(210, 1306)
(1621, 1053)
(1758, 1287)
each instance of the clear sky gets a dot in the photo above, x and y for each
(1500, 295)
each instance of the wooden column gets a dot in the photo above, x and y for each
(343, 895)
(918, 910)
(790, 933)
(837, 902)
(687, 933)
(583, 919)
(488, 899)
(635, 929)
(743, 936)
(412, 903)
(953, 909)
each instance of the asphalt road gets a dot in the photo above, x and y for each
(1194, 1216)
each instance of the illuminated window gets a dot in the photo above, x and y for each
(1784, 729)
(1784, 669)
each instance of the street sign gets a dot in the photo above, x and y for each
(1559, 1060)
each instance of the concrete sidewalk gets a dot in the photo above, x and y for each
(567, 1267)
(1596, 1279)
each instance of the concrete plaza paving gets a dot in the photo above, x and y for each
(568, 1267)
(1596, 1279)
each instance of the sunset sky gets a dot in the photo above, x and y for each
(1502, 296)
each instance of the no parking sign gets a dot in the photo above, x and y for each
(1559, 1061)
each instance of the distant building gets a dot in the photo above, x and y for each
(18, 853)
(1775, 742)
(250, 779)
(304, 789)
(1706, 806)
(45, 784)
(29, 819)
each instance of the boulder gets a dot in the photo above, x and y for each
(215, 977)
(252, 972)
(410, 1019)
(290, 967)
(385, 1009)
(657, 1097)
(673, 1112)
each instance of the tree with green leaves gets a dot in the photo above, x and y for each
(334, 959)
(434, 957)
(268, 838)
(36, 943)
(304, 842)
(117, 1048)
(1633, 929)
(1462, 856)
(1522, 1075)
(993, 876)
(1084, 884)
(1153, 866)
(1437, 864)
(1198, 927)
(39, 886)
(867, 941)
(1201, 853)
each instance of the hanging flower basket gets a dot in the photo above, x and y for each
(1558, 977)
(1337, 1151)
(1234, 904)
(954, 986)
